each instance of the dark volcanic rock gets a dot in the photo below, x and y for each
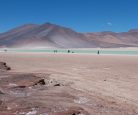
(4, 67)
(40, 82)
(1, 92)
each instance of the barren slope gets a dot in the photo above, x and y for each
(55, 36)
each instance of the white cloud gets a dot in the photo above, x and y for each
(109, 24)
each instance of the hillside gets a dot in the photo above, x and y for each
(54, 36)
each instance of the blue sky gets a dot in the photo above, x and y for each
(80, 15)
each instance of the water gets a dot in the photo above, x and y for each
(90, 51)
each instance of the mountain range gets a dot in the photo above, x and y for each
(54, 36)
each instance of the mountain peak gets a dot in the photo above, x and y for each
(52, 35)
(55, 27)
(49, 24)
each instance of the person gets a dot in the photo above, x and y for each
(55, 51)
(68, 51)
(5, 50)
(98, 52)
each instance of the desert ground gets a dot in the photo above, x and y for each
(68, 84)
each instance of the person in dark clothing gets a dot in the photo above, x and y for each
(68, 51)
(98, 52)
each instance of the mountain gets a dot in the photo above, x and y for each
(54, 36)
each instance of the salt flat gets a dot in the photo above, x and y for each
(112, 79)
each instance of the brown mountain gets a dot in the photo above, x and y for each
(55, 36)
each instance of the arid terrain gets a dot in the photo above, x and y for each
(68, 84)
(49, 35)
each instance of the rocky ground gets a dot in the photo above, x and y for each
(40, 94)
(29, 94)
(4, 67)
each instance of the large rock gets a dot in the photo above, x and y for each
(4, 67)
(1, 92)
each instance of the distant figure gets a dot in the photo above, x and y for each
(5, 50)
(55, 51)
(68, 51)
(98, 52)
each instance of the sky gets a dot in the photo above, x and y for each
(80, 15)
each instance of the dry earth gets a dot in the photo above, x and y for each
(68, 84)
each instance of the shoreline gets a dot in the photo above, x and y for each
(60, 53)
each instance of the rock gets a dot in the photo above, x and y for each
(4, 67)
(74, 111)
(1, 92)
(48, 82)
(58, 84)
(40, 82)
(21, 81)
(20, 87)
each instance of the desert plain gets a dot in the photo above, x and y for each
(68, 84)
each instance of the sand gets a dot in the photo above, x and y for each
(99, 84)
